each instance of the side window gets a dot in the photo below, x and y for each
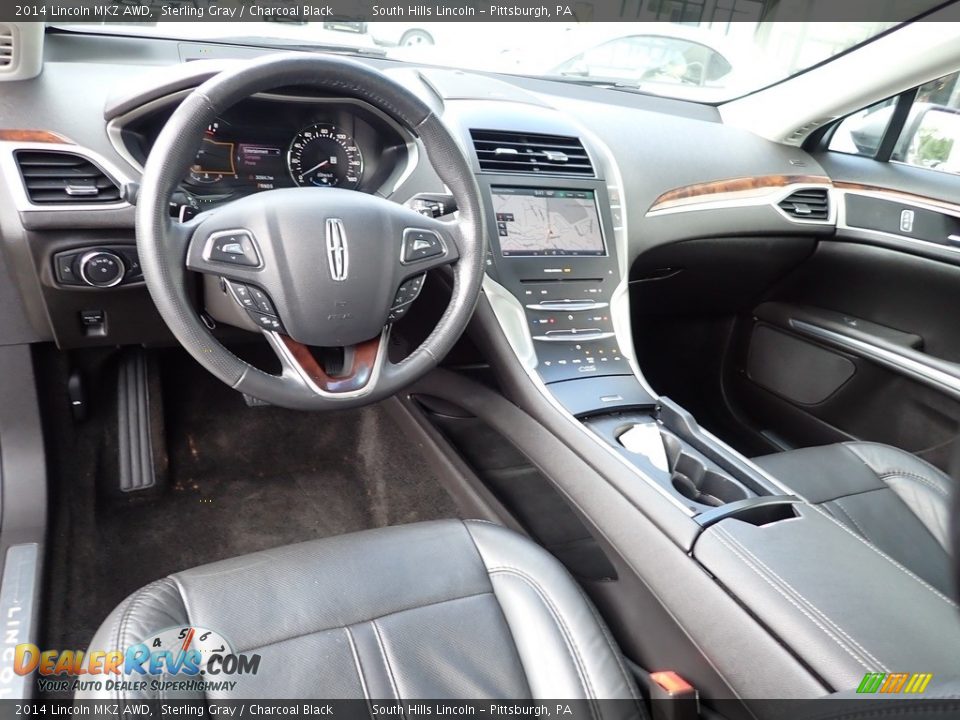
(861, 133)
(931, 134)
(919, 128)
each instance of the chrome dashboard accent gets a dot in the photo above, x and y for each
(567, 305)
(573, 336)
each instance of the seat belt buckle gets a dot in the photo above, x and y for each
(672, 697)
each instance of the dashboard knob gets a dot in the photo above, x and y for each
(100, 268)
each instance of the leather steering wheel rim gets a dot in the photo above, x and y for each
(163, 243)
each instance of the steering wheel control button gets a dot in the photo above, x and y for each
(102, 269)
(267, 322)
(241, 293)
(262, 301)
(408, 291)
(232, 246)
(397, 312)
(420, 245)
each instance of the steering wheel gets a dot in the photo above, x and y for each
(334, 266)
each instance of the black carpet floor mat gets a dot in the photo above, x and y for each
(241, 479)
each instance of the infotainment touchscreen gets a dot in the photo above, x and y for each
(538, 221)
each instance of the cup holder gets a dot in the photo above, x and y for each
(692, 478)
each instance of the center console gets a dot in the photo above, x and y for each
(556, 278)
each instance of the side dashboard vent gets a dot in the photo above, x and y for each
(530, 154)
(6, 47)
(62, 178)
(807, 204)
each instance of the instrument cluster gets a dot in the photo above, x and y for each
(263, 143)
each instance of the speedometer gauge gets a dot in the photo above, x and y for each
(322, 155)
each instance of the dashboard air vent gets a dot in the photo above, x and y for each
(807, 204)
(64, 178)
(530, 154)
(6, 46)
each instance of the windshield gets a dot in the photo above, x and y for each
(706, 61)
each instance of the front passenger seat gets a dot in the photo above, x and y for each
(445, 609)
(898, 502)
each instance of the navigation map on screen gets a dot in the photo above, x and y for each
(547, 222)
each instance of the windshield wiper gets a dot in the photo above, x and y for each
(620, 85)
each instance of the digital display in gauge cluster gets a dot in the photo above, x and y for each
(265, 144)
(234, 158)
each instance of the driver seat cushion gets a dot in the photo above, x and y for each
(444, 609)
(896, 501)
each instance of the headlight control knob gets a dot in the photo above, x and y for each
(101, 268)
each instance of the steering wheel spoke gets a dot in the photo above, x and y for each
(359, 369)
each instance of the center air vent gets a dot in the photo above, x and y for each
(6, 47)
(807, 204)
(64, 179)
(530, 154)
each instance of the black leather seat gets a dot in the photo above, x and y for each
(898, 502)
(441, 610)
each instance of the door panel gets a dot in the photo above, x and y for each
(866, 345)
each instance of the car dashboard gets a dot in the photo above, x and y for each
(620, 177)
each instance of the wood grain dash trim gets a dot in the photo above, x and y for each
(32, 136)
(702, 192)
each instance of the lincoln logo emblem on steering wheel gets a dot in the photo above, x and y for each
(337, 255)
